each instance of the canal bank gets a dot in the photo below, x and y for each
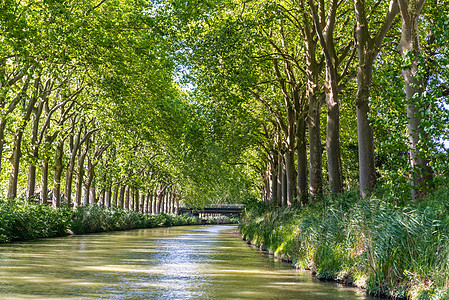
(189, 262)
(21, 220)
(398, 252)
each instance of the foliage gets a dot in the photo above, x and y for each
(389, 250)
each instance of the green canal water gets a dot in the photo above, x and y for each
(192, 262)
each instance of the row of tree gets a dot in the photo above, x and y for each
(291, 68)
(91, 111)
(84, 86)
(107, 101)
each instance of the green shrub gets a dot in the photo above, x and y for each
(25, 221)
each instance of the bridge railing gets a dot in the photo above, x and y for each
(214, 210)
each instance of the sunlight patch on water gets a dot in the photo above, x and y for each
(171, 263)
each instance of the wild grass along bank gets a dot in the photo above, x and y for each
(400, 252)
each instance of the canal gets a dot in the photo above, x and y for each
(192, 262)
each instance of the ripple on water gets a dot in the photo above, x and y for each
(166, 263)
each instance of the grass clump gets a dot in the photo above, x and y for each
(400, 252)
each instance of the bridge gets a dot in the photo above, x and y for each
(214, 210)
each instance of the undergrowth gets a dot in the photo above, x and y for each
(399, 252)
(26, 221)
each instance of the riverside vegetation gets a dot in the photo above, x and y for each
(394, 251)
(26, 221)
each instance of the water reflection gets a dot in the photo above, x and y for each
(166, 263)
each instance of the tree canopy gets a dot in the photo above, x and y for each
(221, 101)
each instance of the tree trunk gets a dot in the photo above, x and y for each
(422, 173)
(70, 168)
(137, 201)
(315, 147)
(44, 180)
(266, 188)
(333, 139)
(15, 161)
(58, 173)
(291, 176)
(93, 191)
(127, 197)
(274, 178)
(284, 183)
(5, 111)
(80, 178)
(367, 49)
(115, 196)
(159, 199)
(279, 179)
(108, 195)
(367, 169)
(150, 203)
(301, 153)
(326, 37)
(2, 139)
(146, 206)
(17, 152)
(121, 200)
(142, 203)
(315, 101)
(31, 184)
(88, 184)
